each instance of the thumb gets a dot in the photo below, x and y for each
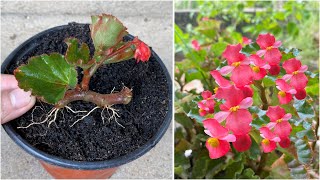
(14, 103)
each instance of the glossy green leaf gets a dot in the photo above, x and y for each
(47, 77)
(233, 170)
(254, 151)
(75, 55)
(304, 151)
(304, 109)
(106, 31)
(269, 81)
(200, 168)
(248, 174)
(297, 171)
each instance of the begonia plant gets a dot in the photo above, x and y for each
(53, 78)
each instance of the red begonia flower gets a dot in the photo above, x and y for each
(269, 142)
(195, 45)
(274, 70)
(234, 110)
(259, 67)
(206, 106)
(285, 142)
(279, 121)
(245, 40)
(205, 19)
(238, 65)
(295, 73)
(142, 52)
(285, 93)
(269, 48)
(301, 94)
(221, 81)
(218, 143)
(242, 143)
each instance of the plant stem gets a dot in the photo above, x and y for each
(102, 100)
(262, 163)
(262, 94)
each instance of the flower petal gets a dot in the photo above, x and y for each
(303, 68)
(260, 75)
(208, 132)
(265, 131)
(301, 94)
(269, 148)
(215, 128)
(242, 143)
(271, 125)
(221, 116)
(275, 113)
(229, 138)
(232, 53)
(277, 44)
(245, 103)
(222, 82)
(239, 122)
(261, 52)
(283, 129)
(291, 65)
(286, 99)
(285, 142)
(265, 40)
(226, 70)
(287, 77)
(299, 81)
(274, 70)
(206, 94)
(257, 60)
(242, 75)
(283, 85)
(217, 152)
(286, 117)
(273, 56)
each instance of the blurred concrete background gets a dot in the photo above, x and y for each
(151, 21)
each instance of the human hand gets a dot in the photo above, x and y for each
(14, 101)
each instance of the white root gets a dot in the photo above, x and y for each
(73, 111)
(84, 116)
(48, 118)
(114, 115)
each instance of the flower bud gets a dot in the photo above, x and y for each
(142, 52)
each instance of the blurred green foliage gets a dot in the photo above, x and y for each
(296, 24)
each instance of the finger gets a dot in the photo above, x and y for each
(14, 103)
(8, 82)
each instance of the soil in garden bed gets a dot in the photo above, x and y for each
(90, 139)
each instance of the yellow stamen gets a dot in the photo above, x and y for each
(236, 64)
(256, 69)
(234, 109)
(295, 73)
(279, 120)
(282, 93)
(214, 142)
(215, 90)
(269, 48)
(266, 141)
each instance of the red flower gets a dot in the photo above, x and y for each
(142, 52)
(269, 48)
(205, 19)
(195, 45)
(242, 143)
(238, 64)
(259, 67)
(245, 40)
(274, 69)
(206, 106)
(285, 93)
(295, 73)
(269, 142)
(218, 143)
(234, 110)
(279, 121)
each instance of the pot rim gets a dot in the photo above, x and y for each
(84, 165)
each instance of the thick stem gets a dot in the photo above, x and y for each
(123, 53)
(262, 95)
(101, 100)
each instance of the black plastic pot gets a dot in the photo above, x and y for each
(31, 44)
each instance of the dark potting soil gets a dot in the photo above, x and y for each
(90, 139)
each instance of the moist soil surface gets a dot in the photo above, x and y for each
(91, 139)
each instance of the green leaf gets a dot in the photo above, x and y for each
(292, 29)
(268, 81)
(200, 168)
(254, 151)
(184, 120)
(75, 55)
(218, 48)
(248, 174)
(297, 171)
(233, 170)
(303, 150)
(106, 31)
(304, 109)
(47, 76)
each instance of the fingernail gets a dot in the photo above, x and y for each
(19, 98)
